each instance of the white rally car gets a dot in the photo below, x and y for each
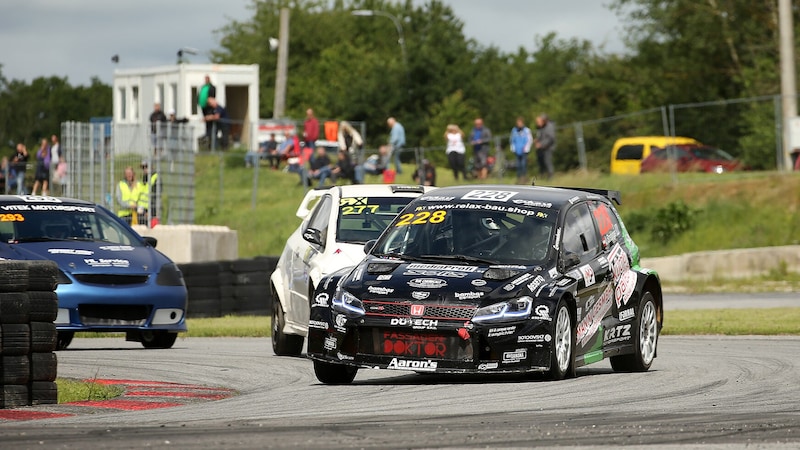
(337, 222)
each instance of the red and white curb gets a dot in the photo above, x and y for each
(137, 395)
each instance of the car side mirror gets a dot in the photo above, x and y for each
(369, 245)
(313, 236)
(151, 241)
(571, 259)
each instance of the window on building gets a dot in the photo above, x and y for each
(123, 107)
(194, 100)
(173, 96)
(135, 103)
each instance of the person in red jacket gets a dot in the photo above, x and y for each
(310, 130)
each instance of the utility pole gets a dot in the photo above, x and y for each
(279, 107)
(788, 81)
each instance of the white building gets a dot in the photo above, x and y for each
(176, 88)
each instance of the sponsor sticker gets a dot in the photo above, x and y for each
(513, 284)
(330, 343)
(107, 262)
(418, 366)
(384, 277)
(618, 333)
(379, 290)
(427, 283)
(69, 251)
(588, 274)
(514, 357)
(447, 267)
(542, 312)
(414, 346)
(117, 248)
(534, 338)
(532, 203)
(536, 283)
(478, 282)
(591, 322)
(321, 300)
(420, 295)
(468, 295)
(318, 324)
(488, 366)
(504, 331)
(626, 314)
(417, 324)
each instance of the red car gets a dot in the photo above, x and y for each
(690, 158)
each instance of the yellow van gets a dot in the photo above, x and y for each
(628, 153)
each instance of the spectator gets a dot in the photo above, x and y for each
(545, 145)
(271, 152)
(207, 90)
(41, 177)
(349, 138)
(344, 167)
(397, 140)
(428, 172)
(310, 129)
(149, 195)
(7, 180)
(455, 150)
(375, 164)
(295, 158)
(19, 163)
(128, 191)
(320, 166)
(157, 117)
(480, 138)
(521, 141)
(217, 123)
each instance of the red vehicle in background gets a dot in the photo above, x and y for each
(690, 158)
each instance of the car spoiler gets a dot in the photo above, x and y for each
(615, 196)
(304, 209)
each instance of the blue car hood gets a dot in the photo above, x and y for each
(82, 257)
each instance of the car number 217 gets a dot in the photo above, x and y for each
(495, 196)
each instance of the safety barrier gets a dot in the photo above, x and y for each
(28, 337)
(221, 288)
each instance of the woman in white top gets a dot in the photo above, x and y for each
(456, 150)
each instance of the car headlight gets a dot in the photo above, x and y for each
(519, 308)
(170, 275)
(348, 304)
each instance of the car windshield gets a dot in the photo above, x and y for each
(711, 153)
(362, 219)
(482, 233)
(62, 223)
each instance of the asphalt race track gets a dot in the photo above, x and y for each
(702, 392)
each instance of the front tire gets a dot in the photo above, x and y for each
(645, 339)
(563, 347)
(283, 344)
(158, 339)
(64, 339)
(330, 373)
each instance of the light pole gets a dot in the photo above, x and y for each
(400, 39)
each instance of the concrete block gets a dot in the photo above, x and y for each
(194, 243)
(735, 263)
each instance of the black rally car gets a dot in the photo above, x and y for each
(474, 279)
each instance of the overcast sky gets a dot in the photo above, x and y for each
(77, 38)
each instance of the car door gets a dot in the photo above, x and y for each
(581, 247)
(312, 242)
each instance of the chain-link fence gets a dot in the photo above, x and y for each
(161, 157)
(748, 128)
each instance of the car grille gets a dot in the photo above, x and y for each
(403, 309)
(111, 279)
(132, 315)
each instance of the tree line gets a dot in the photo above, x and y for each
(350, 67)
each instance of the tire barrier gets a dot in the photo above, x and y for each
(239, 287)
(28, 307)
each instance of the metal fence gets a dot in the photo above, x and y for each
(98, 153)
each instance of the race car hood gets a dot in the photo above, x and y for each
(441, 282)
(83, 257)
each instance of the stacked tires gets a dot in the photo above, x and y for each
(28, 307)
(221, 288)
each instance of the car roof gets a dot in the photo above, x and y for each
(37, 200)
(557, 196)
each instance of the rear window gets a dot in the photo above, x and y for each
(628, 152)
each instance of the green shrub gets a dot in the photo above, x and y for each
(672, 220)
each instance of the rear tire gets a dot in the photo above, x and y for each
(562, 350)
(645, 339)
(330, 373)
(158, 339)
(283, 344)
(64, 339)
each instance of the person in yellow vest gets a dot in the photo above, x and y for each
(149, 195)
(128, 192)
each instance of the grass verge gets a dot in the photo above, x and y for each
(70, 390)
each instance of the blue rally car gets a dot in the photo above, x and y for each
(491, 279)
(110, 279)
